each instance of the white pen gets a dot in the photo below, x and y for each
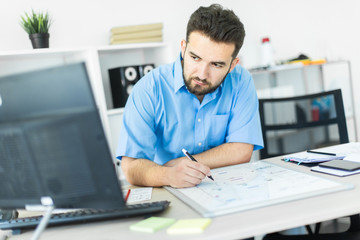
(188, 155)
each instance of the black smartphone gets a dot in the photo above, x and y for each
(341, 164)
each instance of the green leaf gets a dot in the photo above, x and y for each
(35, 22)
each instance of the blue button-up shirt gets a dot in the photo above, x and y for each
(161, 116)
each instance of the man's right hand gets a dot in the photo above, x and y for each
(183, 172)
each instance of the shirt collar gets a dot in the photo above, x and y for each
(178, 74)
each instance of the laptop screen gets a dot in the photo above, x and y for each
(52, 142)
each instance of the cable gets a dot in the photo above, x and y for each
(49, 207)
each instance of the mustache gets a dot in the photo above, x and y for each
(199, 80)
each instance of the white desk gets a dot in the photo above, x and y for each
(234, 226)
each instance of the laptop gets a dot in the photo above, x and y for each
(53, 148)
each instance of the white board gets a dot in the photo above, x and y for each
(252, 185)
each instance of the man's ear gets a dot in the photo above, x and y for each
(233, 63)
(183, 48)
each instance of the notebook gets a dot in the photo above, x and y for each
(309, 158)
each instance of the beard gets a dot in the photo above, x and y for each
(201, 90)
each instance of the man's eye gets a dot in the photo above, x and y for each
(217, 65)
(195, 58)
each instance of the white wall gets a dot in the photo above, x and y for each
(319, 29)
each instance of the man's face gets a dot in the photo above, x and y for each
(205, 63)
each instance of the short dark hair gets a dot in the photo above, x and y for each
(219, 24)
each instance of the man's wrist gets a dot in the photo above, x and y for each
(170, 163)
(164, 177)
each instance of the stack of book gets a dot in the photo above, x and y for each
(137, 33)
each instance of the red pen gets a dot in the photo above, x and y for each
(127, 195)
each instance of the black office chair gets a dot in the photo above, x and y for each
(299, 123)
(352, 233)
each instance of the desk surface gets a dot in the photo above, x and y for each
(238, 225)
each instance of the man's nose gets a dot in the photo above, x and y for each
(203, 71)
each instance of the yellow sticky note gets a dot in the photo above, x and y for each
(189, 226)
(152, 224)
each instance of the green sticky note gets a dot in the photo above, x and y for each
(152, 224)
(189, 226)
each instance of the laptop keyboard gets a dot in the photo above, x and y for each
(87, 215)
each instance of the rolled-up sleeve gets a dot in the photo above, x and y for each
(244, 121)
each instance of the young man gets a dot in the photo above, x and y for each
(204, 102)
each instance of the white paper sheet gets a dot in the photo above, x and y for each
(139, 194)
(355, 157)
(332, 171)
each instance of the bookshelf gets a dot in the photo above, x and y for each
(98, 60)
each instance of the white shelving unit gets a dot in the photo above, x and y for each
(98, 60)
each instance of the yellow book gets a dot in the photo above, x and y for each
(136, 28)
(134, 35)
(137, 40)
(189, 226)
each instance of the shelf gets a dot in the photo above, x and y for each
(278, 68)
(293, 66)
(121, 47)
(109, 48)
(38, 52)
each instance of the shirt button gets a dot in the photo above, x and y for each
(199, 143)
(199, 120)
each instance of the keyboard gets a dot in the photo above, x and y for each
(86, 215)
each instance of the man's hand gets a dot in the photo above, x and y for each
(183, 172)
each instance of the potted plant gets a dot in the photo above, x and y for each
(37, 26)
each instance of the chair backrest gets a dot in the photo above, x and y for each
(299, 123)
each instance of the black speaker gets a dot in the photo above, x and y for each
(123, 79)
(144, 69)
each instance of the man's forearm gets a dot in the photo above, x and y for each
(143, 172)
(182, 172)
(226, 154)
